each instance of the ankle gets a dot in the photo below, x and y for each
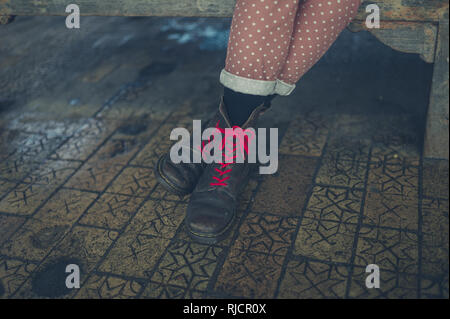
(239, 105)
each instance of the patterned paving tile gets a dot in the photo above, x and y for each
(96, 173)
(161, 291)
(285, 192)
(86, 140)
(134, 255)
(394, 180)
(52, 173)
(139, 248)
(341, 149)
(305, 136)
(395, 154)
(94, 176)
(435, 178)
(83, 246)
(29, 194)
(109, 287)
(104, 165)
(158, 145)
(187, 265)
(134, 181)
(342, 173)
(158, 218)
(8, 225)
(26, 147)
(86, 244)
(136, 131)
(39, 234)
(325, 240)
(385, 210)
(393, 285)
(13, 273)
(112, 211)
(160, 193)
(370, 201)
(311, 279)
(334, 204)
(434, 286)
(24, 199)
(391, 249)
(249, 274)
(16, 167)
(435, 232)
(117, 150)
(6, 186)
(266, 234)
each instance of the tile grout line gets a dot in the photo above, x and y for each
(146, 198)
(220, 260)
(360, 223)
(94, 201)
(227, 249)
(57, 189)
(419, 228)
(289, 254)
(107, 103)
(43, 203)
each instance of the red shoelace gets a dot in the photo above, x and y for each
(229, 148)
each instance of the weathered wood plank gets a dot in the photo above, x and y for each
(436, 136)
(408, 37)
(408, 10)
(391, 10)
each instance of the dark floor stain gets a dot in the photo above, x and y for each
(121, 147)
(132, 129)
(51, 280)
(47, 236)
(134, 91)
(156, 69)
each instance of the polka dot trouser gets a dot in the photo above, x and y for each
(273, 43)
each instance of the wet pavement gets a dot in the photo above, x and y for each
(84, 115)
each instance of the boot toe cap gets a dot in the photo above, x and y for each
(208, 219)
(171, 175)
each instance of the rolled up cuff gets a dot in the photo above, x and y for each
(255, 87)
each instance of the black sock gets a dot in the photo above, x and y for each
(240, 105)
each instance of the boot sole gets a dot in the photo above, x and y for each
(166, 183)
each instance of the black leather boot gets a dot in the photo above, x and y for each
(181, 178)
(212, 207)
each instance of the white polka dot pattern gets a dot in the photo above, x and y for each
(282, 39)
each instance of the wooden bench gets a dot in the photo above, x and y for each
(413, 26)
